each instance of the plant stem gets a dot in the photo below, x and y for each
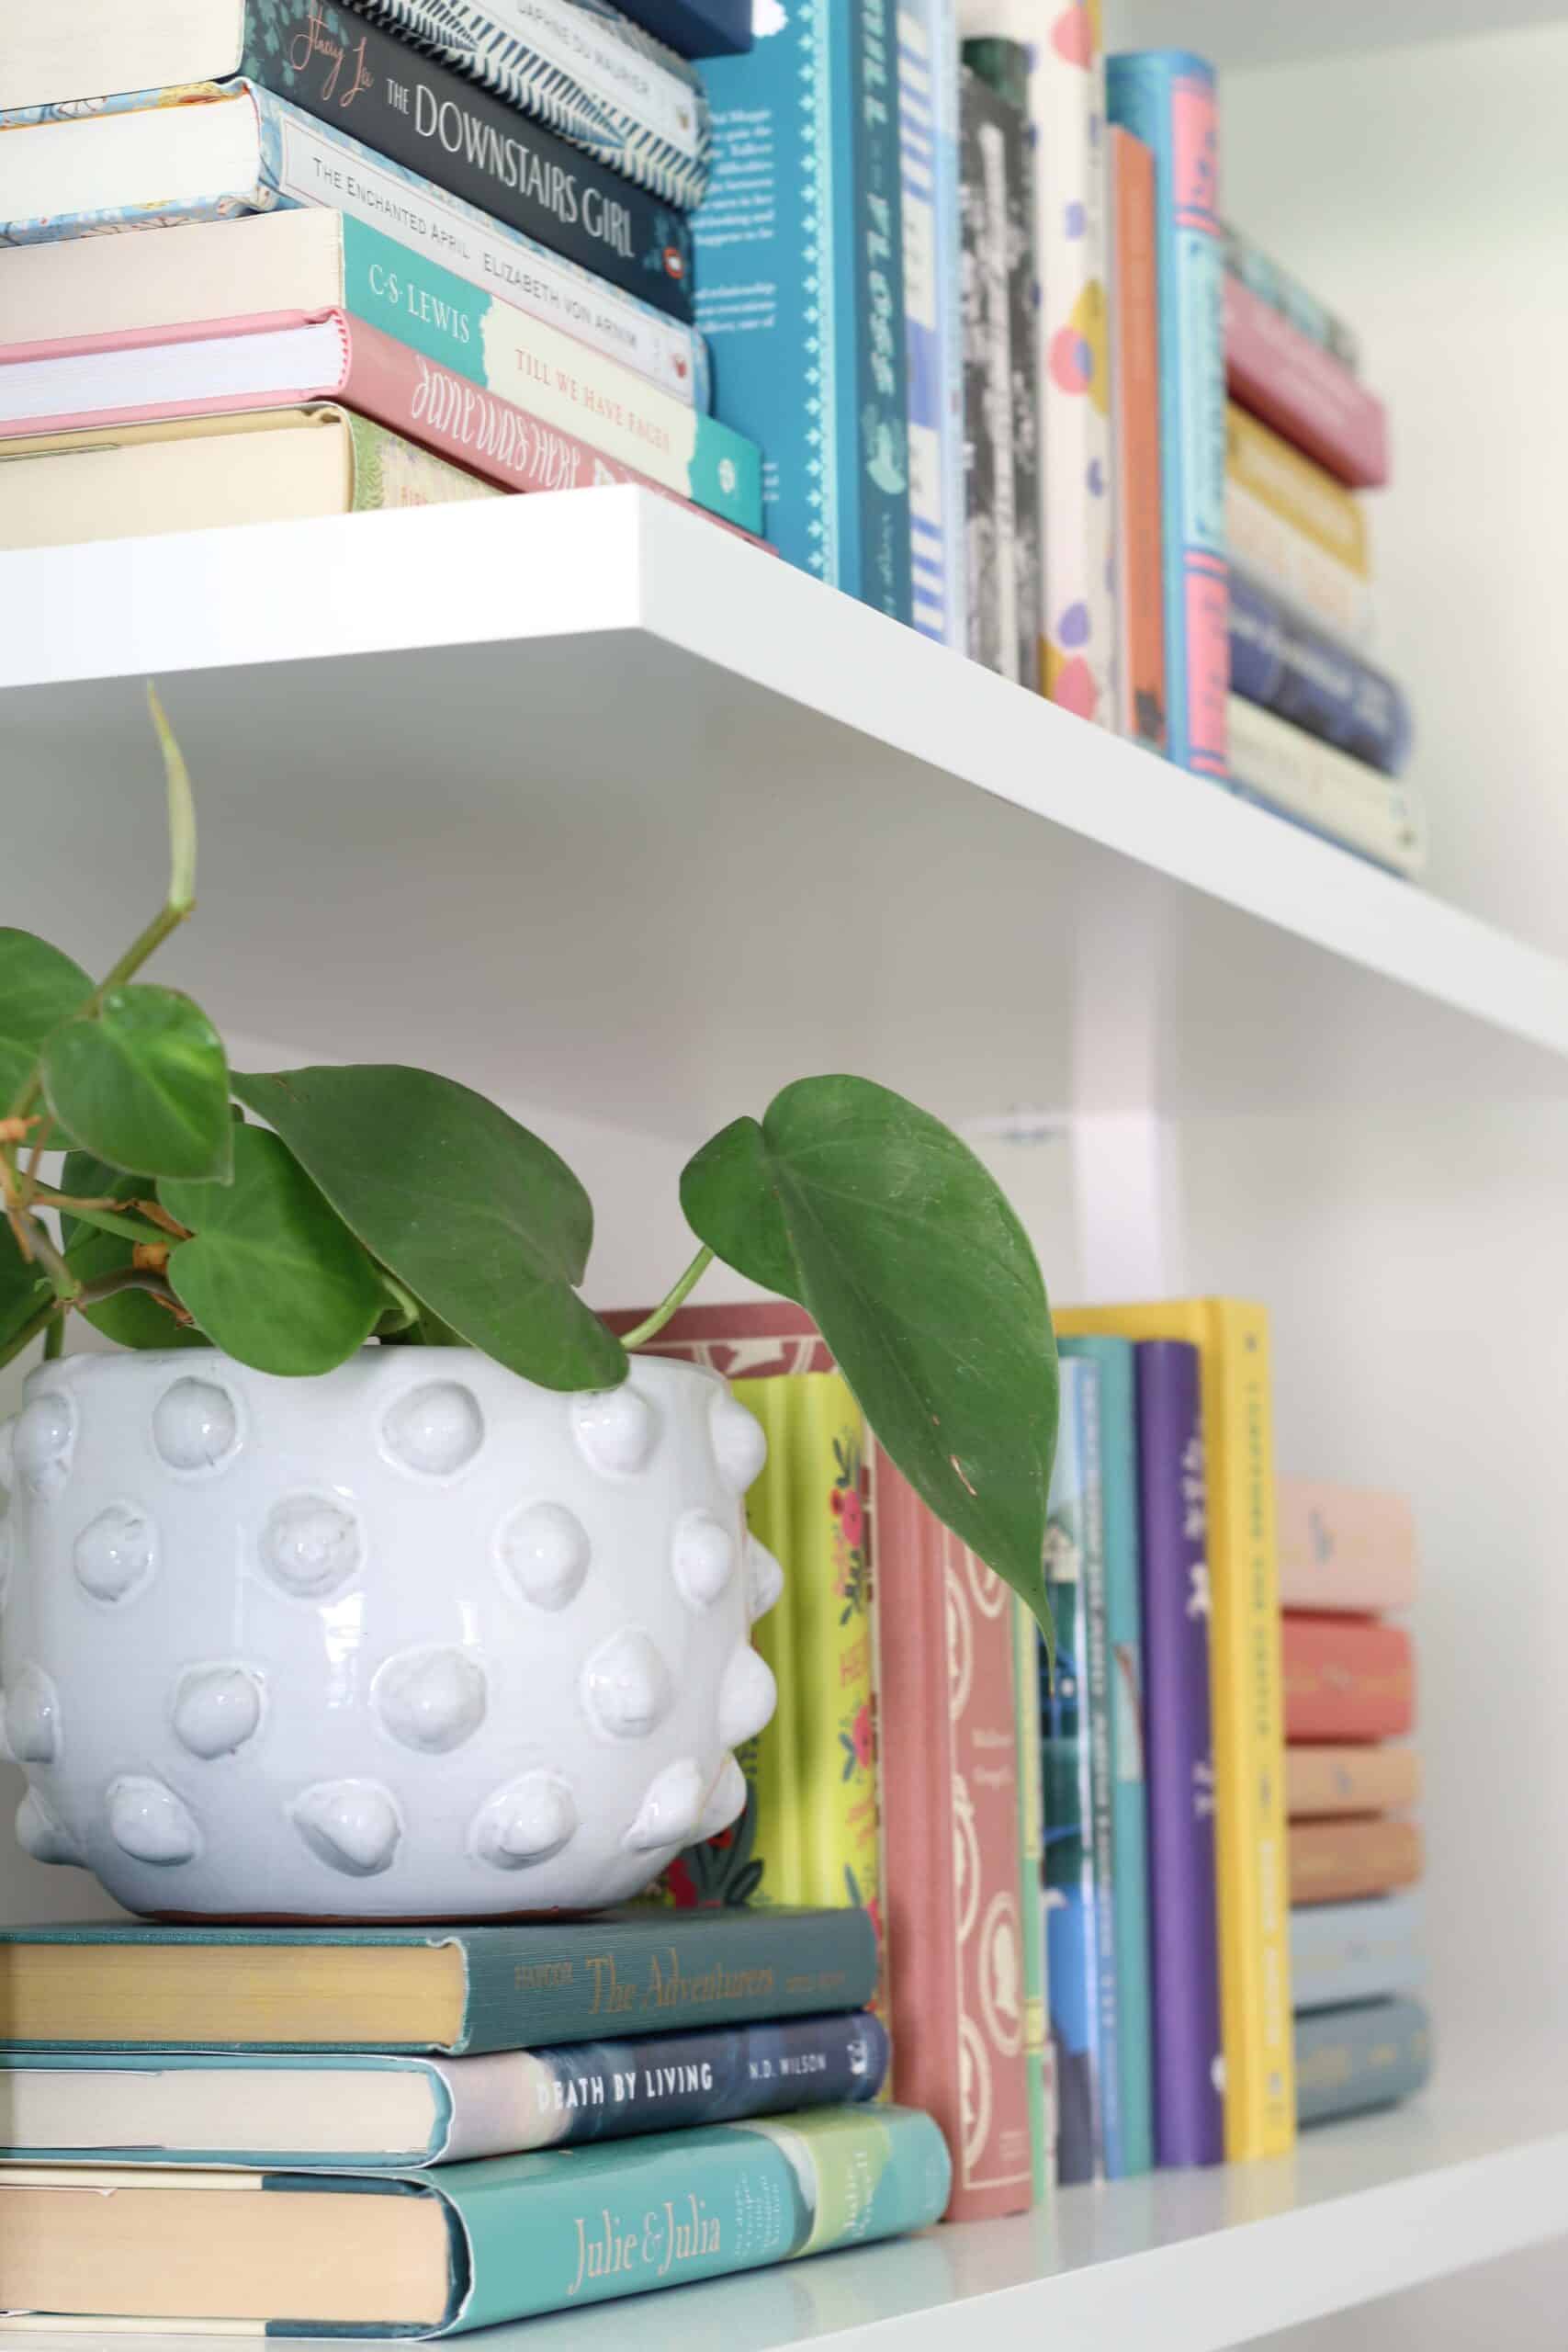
(55, 1339)
(54, 1310)
(105, 1220)
(668, 1306)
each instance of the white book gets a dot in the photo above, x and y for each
(1286, 770)
(1283, 559)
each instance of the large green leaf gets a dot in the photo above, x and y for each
(40, 988)
(272, 1274)
(480, 1219)
(132, 1318)
(922, 1281)
(144, 1084)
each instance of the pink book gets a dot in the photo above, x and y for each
(1345, 1549)
(1304, 391)
(287, 360)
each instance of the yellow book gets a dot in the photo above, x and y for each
(1247, 1700)
(1300, 492)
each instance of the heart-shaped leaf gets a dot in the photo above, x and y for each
(40, 988)
(272, 1274)
(133, 1319)
(144, 1084)
(482, 1221)
(881, 1222)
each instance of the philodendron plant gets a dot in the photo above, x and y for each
(389, 1205)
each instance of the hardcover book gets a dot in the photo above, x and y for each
(1346, 1678)
(593, 74)
(801, 254)
(453, 1989)
(1344, 1547)
(1320, 1780)
(1302, 495)
(929, 132)
(1349, 2061)
(1080, 1933)
(249, 151)
(1342, 1953)
(131, 481)
(1285, 293)
(1232, 1337)
(1335, 1862)
(1189, 2108)
(1064, 96)
(1001, 453)
(1166, 98)
(1304, 392)
(696, 28)
(471, 2244)
(1305, 676)
(1031, 1897)
(335, 2110)
(1114, 1362)
(1283, 768)
(1134, 394)
(1296, 568)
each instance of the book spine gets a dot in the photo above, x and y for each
(387, 473)
(1031, 1893)
(695, 27)
(927, 111)
(1324, 1780)
(311, 163)
(1166, 98)
(1189, 2112)
(1300, 777)
(1346, 1678)
(987, 454)
(1102, 1779)
(1302, 495)
(1296, 568)
(1301, 675)
(642, 1973)
(1344, 1547)
(873, 413)
(1294, 301)
(1021, 416)
(945, 1715)
(520, 2100)
(562, 383)
(592, 75)
(1135, 378)
(766, 241)
(1349, 2061)
(1356, 1951)
(1304, 392)
(1338, 1862)
(557, 2231)
(430, 119)
(1078, 1924)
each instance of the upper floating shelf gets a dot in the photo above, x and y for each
(586, 802)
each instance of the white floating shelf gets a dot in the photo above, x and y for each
(584, 799)
(1177, 2262)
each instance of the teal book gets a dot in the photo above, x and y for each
(421, 2254)
(455, 1989)
(800, 286)
(354, 2109)
(1124, 1708)
(1349, 2061)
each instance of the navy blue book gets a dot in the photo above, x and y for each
(695, 28)
(1373, 2054)
(1302, 673)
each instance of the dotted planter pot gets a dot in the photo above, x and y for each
(413, 1641)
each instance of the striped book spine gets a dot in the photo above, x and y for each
(928, 119)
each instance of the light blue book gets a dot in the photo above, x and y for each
(1129, 1815)
(800, 286)
(929, 70)
(474, 2244)
(1166, 97)
(1356, 1951)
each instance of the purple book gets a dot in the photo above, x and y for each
(1189, 2109)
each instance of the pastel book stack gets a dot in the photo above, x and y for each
(1348, 1559)
(930, 1755)
(466, 229)
(1319, 733)
(551, 2115)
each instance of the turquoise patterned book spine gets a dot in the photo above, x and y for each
(874, 403)
(1124, 1645)
(928, 69)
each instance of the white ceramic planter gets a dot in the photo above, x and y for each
(414, 1641)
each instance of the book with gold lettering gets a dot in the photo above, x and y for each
(456, 1989)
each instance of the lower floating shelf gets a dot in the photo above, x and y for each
(1188, 2262)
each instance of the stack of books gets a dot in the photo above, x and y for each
(1347, 1560)
(388, 253)
(441, 2143)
